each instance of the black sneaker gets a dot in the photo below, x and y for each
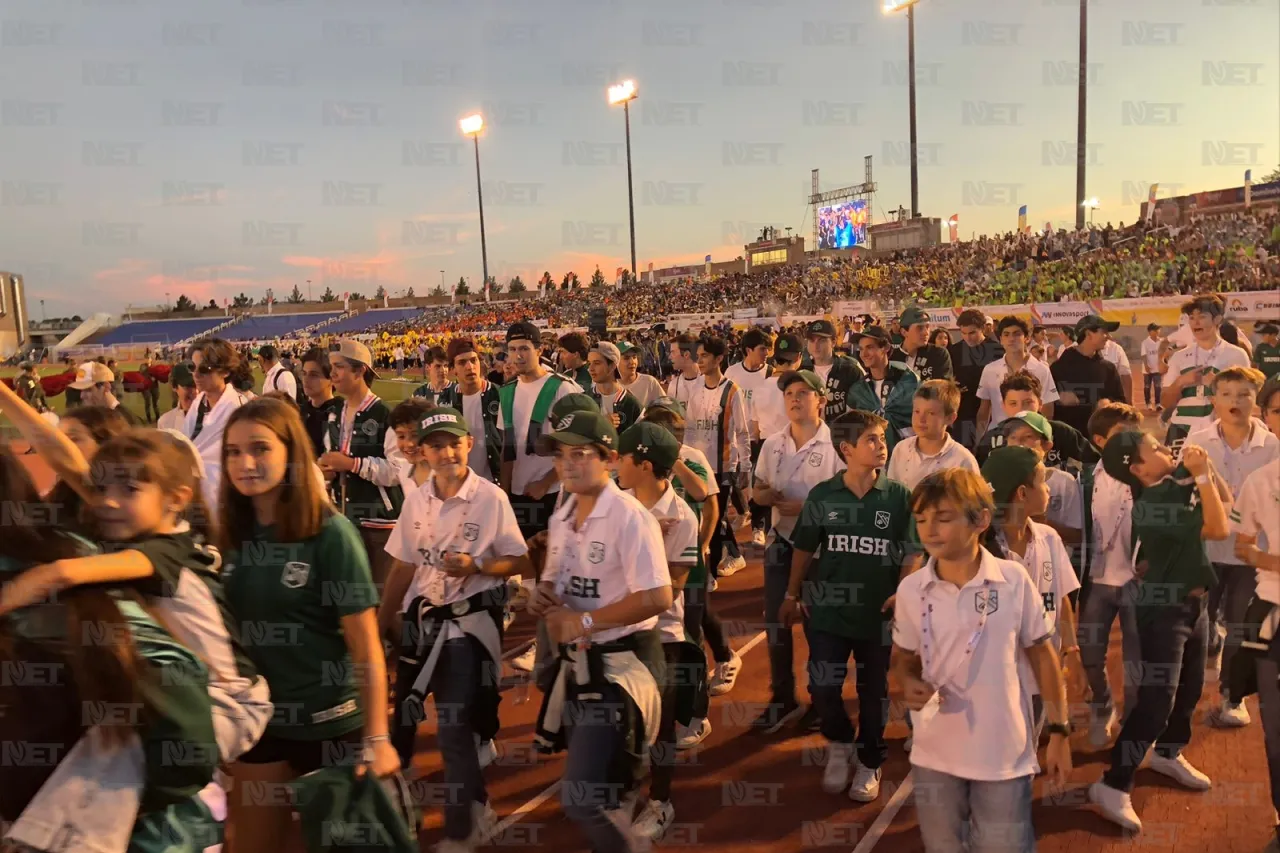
(810, 722)
(776, 716)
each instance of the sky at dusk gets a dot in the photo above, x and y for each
(209, 148)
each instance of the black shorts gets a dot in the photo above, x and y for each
(305, 756)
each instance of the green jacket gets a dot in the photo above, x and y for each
(845, 374)
(893, 403)
(360, 498)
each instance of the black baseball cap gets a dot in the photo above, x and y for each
(821, 327)
(877, 332)
(1122, 451)
(1268, 329)
(524, 331)
(1092, 322)
(787, 346)
(913, 314)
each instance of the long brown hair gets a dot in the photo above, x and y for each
(302, 506)
(102, 672)
(153, 456)
(222, 356)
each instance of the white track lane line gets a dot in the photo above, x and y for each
(886, 816)
(518, 815)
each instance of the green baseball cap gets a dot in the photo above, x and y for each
(666, 404)
(808, 377)
(911, 315)
(649, 442)
(182, 376)
(624, 348)
(1007, 468)
(1091, 322)
(1035, 420)
(579, 429)
(1123, 450)
(570, 403)
(442, 419)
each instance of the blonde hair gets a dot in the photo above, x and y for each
(966, 489)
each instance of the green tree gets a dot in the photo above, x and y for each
(328, 296)
(242, 301)
(495, 286)
(184, 304)
(439, 291)
(380, 292)
(567, 282)
(597, 279)
(296, 297)
(213, 303)
(516, 286)
(409, 293)
(357, 296)
(462, 288)
(1273, 176)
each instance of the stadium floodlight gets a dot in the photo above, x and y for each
(1091, 204)
(891, 6)
(471, 126)
(620, 93)
(624, 93)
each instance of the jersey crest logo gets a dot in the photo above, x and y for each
(493, 407)
(470, 532)
(987, 602)
(882, 520)
(295, 575)
(596, 554)
(815, 459)
(1046, 570)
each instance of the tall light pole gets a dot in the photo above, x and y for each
(910, 6)
(1081, 118)
(1091, 204)
(624, 93)
(471, 126)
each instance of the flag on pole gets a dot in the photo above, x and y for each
(1248, 188)
(226, 306)
(1151, 201)
(346, 301)
(1022, 220)
(384, 299)
(617, 278)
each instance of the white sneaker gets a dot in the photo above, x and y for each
(722, 680)
(484, 820)
(866, 784)
(486, 751)
(1180, 770)
(1232, 715)
(835, 776)
(1116, 806)
(1101, 729)
(524, 662)
(712, 583)
(742, 521)
(653, 820)
(732, 565)
(757, 538)
(693, 734)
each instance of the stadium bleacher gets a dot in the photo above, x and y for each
(265, 327)
(158, 331)
(369, 319)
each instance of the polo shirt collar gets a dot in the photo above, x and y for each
(947, 443)
(665, 506)
(988, 570)
(823, 435)
(466, 493)
(604, 503)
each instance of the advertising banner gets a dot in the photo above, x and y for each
(746, 313)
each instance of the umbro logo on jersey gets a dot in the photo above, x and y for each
(832, 516)
(295, 575)
(882, 520)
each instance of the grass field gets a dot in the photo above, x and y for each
(391, 390)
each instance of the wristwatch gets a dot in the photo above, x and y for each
(1063, 729)
(587, 624)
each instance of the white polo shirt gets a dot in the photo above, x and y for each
(1112, 508)
(1256, 513)
(1066, 499)
(1195, 407)
(280, 379)
(995, 372)
(1260, 449)
(751, 382)
(528, 467)
(769, 409)
(617, 551)
(794, 471)
(646, 389)
(909, 465)
(1115, 354)
(1151, 354)
(478, 520)
(682, 389)
(983, 728)
(1048, 563)
(681, 545)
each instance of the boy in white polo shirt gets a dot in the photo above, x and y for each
(646, 455)
(454, 544)
(931, 448)
(1014, 334)
(960, 626)
(1255, 519)
(790, 464)
(1238, 444)
(1065, 512)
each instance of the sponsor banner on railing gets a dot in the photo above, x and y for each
(1063, 313)
(746, 313)
(854, 308)
(1260, 305)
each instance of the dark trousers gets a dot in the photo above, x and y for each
(722, 540)
(596, 736)
(458, 674)
(695, 599)
(1173, 640)
(662, 756)
(1269, 710)
(761, 516)
(375, 547)
(533, 515)
(1228, 602)
(828, 668)
(698, 613)
(1151, 388)
(151, 403)
(782, 667)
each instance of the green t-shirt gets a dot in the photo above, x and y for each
(1267, 359)
(698, 574)
(289, 599)
(1167, 519)
(861, 544)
